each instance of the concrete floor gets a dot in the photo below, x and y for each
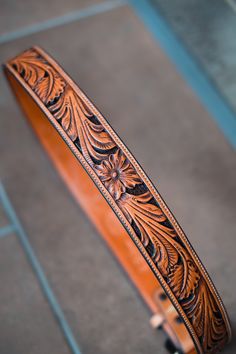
(116, 61)
(209, 34)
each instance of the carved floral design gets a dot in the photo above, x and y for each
(172, 260)
(40, 76)
(203, 312)
(141, 210)
(117, 174)
(76, 120)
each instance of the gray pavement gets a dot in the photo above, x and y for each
(119, 65)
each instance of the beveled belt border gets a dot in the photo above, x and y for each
(131, 195)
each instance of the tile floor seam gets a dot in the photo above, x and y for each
(68, 18)
(38, 271)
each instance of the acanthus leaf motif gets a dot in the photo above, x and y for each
(50, 87)
(75, 118)
(183, 278)
(30, 66)
(203, 312)
(39, 75)
(174, 262)
(149, 218)
(170, 257)
(117, 174)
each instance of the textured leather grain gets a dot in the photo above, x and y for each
(122, 202)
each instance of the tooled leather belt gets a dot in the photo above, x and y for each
(123, 204)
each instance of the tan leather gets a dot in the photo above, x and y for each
(180, 294)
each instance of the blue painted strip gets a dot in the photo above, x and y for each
(62, 20)
(6, 230)
(186, 65)
(39, 272)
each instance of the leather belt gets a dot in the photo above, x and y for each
(121, 201)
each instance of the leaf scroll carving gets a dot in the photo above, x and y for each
(121, 180)
(176, 265)
(148, 218)
(40, 76)
(75, 118)
(203, 312)
(183, 279)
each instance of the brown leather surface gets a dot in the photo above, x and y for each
(96, 207)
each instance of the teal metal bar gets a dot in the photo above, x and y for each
(6, 230)
(207, 93)
(23, 238)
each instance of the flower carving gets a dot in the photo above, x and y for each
(117, 174)
(160, 239)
